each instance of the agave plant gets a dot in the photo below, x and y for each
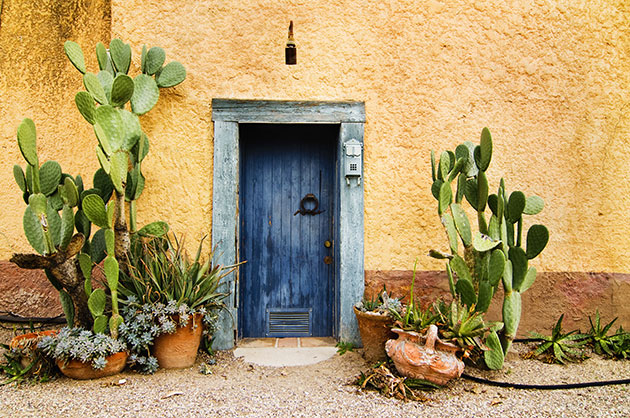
(161, 271)
(464, 325)
(560, 346)
(615, 345)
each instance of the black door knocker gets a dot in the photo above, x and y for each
(311, 201)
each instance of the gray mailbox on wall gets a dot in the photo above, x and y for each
(353, 160)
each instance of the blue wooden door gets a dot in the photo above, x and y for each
(286, 211)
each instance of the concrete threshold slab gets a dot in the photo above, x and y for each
(285, 352)
(284, 357)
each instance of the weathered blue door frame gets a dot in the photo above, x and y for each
(349, 270)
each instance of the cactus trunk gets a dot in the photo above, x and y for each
(123, 241)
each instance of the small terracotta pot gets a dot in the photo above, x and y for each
(76, 369)
(28, 342)
(375, 330)
(434, 361)
(179, 350)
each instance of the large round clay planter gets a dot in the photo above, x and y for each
(179, 350)
(375, 330)
(28, 343)
(76, 369)
(424, 357)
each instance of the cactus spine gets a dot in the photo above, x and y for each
(495, 252)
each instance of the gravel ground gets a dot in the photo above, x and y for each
(237, 389)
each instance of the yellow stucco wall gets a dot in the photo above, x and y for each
(550, 80)
(37, 81)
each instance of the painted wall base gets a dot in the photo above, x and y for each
(575, 294)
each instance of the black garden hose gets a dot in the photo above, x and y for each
(15, 318)
(546, 387)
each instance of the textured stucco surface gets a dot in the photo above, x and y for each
(550, 79)
(38, 81)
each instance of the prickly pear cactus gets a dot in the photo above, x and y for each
(121, 143)
(494, 253)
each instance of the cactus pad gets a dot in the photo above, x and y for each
(33, 231)
(132, 129)
(119, 167)
(462, 223)
(75, 55)
(122, 89)
(67, 226)
(154, 229)
(111, 272)
(458, 265)
(482, 191)
(85, 263)
(27, 140)
(494, 357)
(519, 266)
(94, 209)
(96, 302)
(171, 75)
(94, 87)
(100, 324)
(511, 313)
(435, 188)
(121, 55)
(451, 231)
(71, 192)
(110, 243)
(20, 179)
(485, 149)
(466, 291)
(484, 243)
(515, 206)
(97, 247)
(470, 191)
(537, 239)
(486, 291)
(49, 177)
(145, 94)
(446, 197)
(530, 278)
(109, 120)
(496, 266)
(67, 306)
(107, 80)
(102, 158)
(103, 59)
(103, 183)
(533, 205)
(85, 104)
(143, 59)
(154, 61)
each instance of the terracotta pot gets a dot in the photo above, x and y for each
(76, 369)
(434, 361)
(179, 350)
(28, 342)
(375, 330)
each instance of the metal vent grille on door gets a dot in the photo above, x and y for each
(289, 323)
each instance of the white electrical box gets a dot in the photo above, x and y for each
(353, 161)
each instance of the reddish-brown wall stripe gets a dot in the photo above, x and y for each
(575, 294)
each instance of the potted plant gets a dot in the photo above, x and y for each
(172, 301)
(375, 320)
(83, 354)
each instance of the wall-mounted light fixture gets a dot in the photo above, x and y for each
(290, 52)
